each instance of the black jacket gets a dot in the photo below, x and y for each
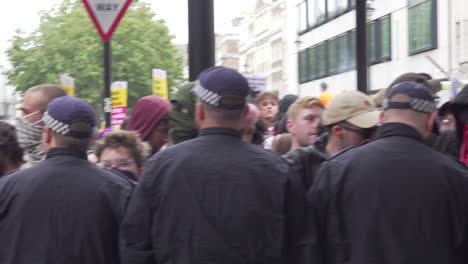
(213, 199)
(63, 210)
(394, 200)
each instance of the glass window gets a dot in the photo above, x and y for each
(385, 52)
(333, 56)
(352, 50)
(342, 53)
(421, 25)
(321, 57)
(371, 42)
(332, 8)
(341, 6)
(312, 13)
(321, 10)
(312, 64)
(302, 16)
(303, 63)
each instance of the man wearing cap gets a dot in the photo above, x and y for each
(212, 199)
(393, 200)
(64, 209)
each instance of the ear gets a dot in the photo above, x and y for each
(382, 117)
(199, 114)
(290, 125)
(246, 111)
(337, 131)
(430, 122)
(48, 135)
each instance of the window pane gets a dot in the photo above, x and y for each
(303, 66)
(332, 56)
(302, 22)
(352, 50)
(371, 40)
(332, 8)
(320, 10)
(343, 53)
(312, 13)
(385, 52)
(420, 26)
(341, 5)
(321, 59)
(312, 64)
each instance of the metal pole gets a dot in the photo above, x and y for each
(361, 46)
(107, 83)
(201, 36)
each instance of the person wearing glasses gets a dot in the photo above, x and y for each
(122, 151)
(28, 127)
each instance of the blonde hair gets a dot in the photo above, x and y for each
(303, 103)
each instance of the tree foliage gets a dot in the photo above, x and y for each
(67, 42)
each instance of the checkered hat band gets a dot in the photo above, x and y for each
(206, 95)
(55, 125)
(415, 104)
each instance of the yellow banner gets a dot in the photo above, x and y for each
(160, 88)
(70, 90)
(160, 83)
(119, 97)
(68, 84)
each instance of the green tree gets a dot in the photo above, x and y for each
(67, 42)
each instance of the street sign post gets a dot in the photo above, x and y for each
(106, 15)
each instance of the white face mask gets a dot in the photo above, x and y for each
(30, 137)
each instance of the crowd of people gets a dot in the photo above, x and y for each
(216, 175)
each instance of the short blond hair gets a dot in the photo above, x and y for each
(303, 103)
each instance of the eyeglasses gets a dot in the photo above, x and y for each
(108, 164)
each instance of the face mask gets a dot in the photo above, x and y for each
(464, 146)
(29, 138)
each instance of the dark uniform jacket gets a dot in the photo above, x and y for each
(63, 210)
(213, 199)
(394, 200)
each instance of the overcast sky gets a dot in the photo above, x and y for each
(24, 15)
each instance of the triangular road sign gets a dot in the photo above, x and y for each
(106, 15)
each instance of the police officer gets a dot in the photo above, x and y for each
(212, 199)
(64, 209)
(393, 200)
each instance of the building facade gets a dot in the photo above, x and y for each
(263, 46)
(428, 36)
(227, 44)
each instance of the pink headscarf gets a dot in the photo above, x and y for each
(146, 115)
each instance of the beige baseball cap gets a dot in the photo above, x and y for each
(353, 107)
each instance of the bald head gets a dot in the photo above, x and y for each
(45, 93)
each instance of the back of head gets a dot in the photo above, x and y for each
(182, 113)
(146, 115)
(433, 85)
(412, 104)
(46, 92)
(323, 86)
(72, 121)
(222, 93)
(10, 151)
(303, 103)
(286, 102)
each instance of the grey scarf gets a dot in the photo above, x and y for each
(29, 139)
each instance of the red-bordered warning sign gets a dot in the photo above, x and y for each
(106, 15)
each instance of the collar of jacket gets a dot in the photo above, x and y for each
(398, 129)
(65, 152)
(220, 131)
